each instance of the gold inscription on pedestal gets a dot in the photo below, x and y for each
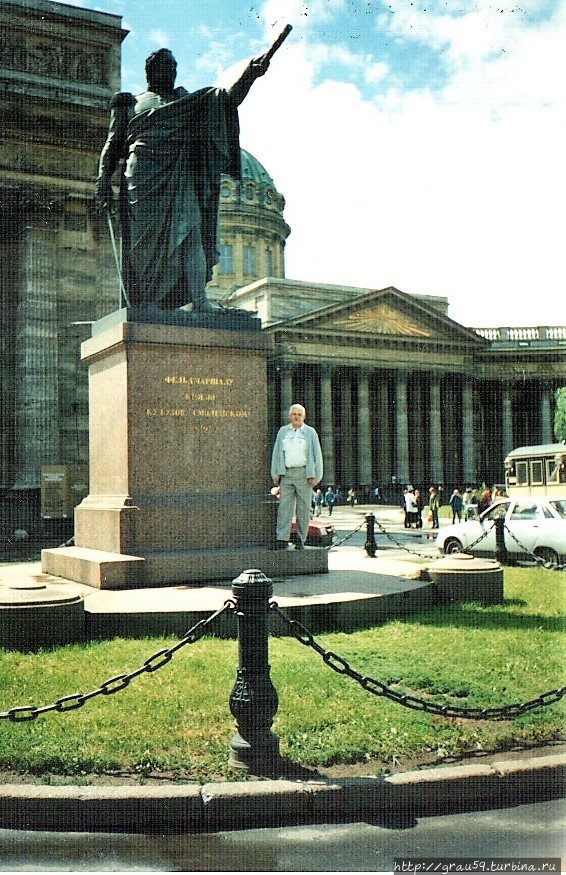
(222, 413)
(200, 405)
(165, 411)
(183, 380)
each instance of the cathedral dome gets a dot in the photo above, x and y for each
(256, 188)
(253, 170)
(252, 229)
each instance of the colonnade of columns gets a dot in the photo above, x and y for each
(374, 423)
(39, 366)
(421, 427)
(36, 384)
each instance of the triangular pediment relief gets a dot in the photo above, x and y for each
(381, 318)
(384, 313)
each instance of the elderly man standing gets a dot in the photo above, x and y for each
(296, 467)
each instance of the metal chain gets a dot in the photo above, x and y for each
(121, 681)
(538, 559)
(481, 537)
(398, 544)
(341, 666)
(346, 537)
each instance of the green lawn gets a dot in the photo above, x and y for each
(176, 721)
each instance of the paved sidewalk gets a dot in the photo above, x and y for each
(269, 803)
(358, 590)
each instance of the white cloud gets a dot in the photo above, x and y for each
(159, 38)
(375, 73)
(458, 193)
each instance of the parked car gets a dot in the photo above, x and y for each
(532, 525)
(320, 533)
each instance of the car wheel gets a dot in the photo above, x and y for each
(452, 545)
(548, 555)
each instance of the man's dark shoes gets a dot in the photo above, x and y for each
(281, 545)
(299, 545)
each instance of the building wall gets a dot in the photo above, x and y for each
(59, 67)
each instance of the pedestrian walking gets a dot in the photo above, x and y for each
(329, 499)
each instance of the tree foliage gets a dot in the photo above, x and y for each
(560, 415)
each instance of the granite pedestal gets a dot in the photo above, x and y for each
(179, 461)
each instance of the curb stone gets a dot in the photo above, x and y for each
(249, 804)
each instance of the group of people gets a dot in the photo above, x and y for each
(464, 505)
(414, 504)
(474, 501)
(322, 499)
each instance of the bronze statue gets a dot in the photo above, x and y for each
(174, 146)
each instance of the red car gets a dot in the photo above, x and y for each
(320, 533)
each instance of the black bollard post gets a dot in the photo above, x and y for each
(253, 700)
(500, 548)
(370, 545)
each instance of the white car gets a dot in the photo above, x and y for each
(531, 525)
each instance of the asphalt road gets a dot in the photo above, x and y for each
(525, 832)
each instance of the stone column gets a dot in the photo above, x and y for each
(468, 437)
(326, 424)
(546, 425)
(435, 430)
(346, 430)
(308, 394)
(382, 430)
(7, 317)
(365, 452)
(401, 428)
(286, 398)
(507, 418)
(238, 255)
(418, 447)
(36, 385)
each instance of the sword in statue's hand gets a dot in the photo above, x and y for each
(263, 60)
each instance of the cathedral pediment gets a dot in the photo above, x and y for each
(381, 318)
(381, 314)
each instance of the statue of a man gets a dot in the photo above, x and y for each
(174, 146)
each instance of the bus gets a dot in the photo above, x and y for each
(537, 470)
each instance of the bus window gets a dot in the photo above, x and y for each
(537, 472)
(522, 473)
(552, 471)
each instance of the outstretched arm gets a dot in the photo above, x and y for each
(256, 68)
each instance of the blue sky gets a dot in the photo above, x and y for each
(417, 144)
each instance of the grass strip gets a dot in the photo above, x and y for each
(176, 722)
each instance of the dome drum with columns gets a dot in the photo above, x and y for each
(252, 230)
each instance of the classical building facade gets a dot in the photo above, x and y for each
(395, 387)
(398, 389)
